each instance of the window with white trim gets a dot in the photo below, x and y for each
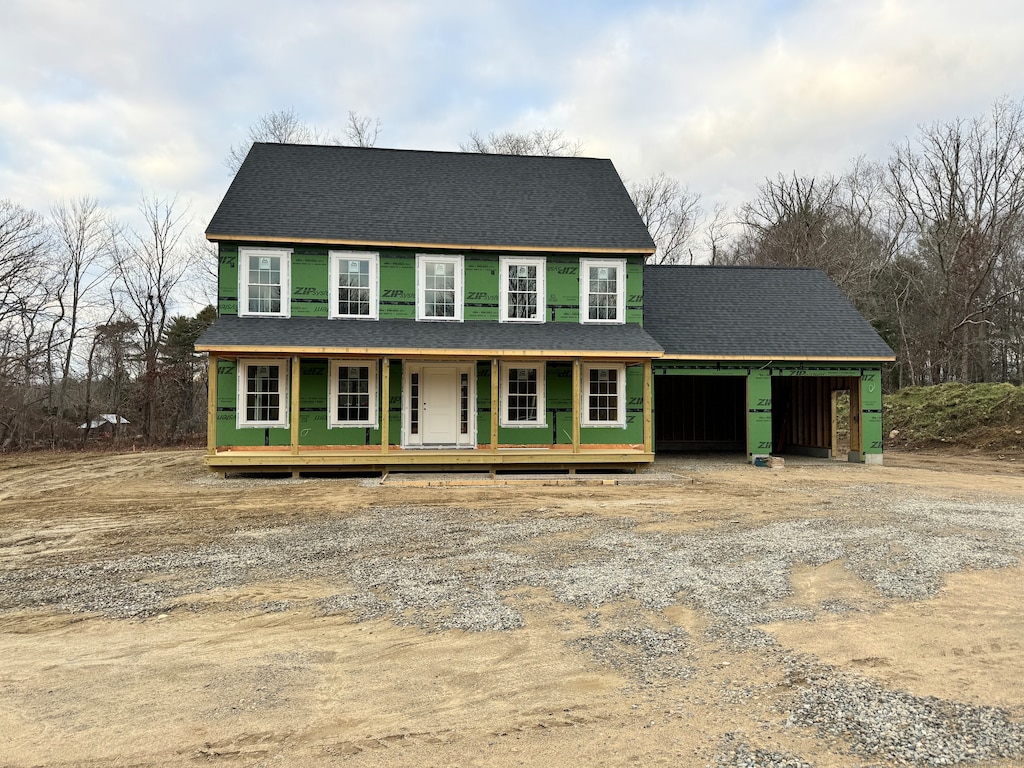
(438, 287)
(263, 281)
(353, 394)
(522, 395)
(602, 291)
(262, 393)
(522, 297)
(604, 396)
(354, 277)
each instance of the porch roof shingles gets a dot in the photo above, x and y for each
(755, 312)
(291, 192)
(272, 334)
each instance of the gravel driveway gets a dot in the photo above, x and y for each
(445, 569)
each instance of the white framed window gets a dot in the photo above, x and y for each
(604, 395)
(521, 390)
(262, 393)
(353, 394)
(439, 287)
(355, 280)
(264, 281)
(602, 291)
(522, 294)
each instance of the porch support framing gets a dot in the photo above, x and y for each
(648, 407)
(385, 404)
(211, 406)
(294, 385)
(577, 406)
(495, 406)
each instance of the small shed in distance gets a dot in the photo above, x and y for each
(104, 425)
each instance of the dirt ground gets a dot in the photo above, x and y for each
(254, 673)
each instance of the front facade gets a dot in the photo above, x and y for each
(384, 309)
(377, 347)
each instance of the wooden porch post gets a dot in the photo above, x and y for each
(494, 403)
(577, 405)
(211, 407)
(648, 406)
(295, 405)
(385, 404)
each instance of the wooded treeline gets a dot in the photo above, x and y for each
(928, 244)
(87, 324)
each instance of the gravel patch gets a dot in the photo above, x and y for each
(896, 726)
(642, 653)
(736, 753)
(452, 568)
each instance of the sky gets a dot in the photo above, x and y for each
(116, 98)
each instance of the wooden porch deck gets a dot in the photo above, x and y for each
(323, 460)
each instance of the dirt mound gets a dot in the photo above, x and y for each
(985, 417)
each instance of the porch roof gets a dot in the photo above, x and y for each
(309, 335)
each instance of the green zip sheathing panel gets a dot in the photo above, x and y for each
(228, 432)
(764, 419)
(309, 295)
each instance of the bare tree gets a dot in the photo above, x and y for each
(362, 131)
(959, 188)
(24, 291)
(716, 233)
(150, 266)
(836, 224)
(285, 127)
(670, 211)
(201, 288)
(82, 233)
(547, 142)
(24, 242)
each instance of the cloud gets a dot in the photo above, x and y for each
(116, 97)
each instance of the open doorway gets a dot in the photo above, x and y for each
(812, 415)
(700, 413)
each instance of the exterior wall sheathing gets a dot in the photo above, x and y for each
(788, 407)
(309, 280)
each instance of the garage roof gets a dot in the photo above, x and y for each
(763, 313)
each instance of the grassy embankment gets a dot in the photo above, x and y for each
(968, 416)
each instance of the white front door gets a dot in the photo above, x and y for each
(439, 405)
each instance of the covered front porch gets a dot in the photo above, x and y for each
(395, 443)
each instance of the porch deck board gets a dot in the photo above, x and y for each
(283, 460)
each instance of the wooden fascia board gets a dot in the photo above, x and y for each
(419, 352)
(214, 238)
(768, 359)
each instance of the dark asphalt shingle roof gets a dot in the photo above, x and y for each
(762, 312)
(353, 194)
(283, 334)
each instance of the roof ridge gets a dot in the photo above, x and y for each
(427, 151)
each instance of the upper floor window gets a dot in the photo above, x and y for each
(522, 395)
(354, 277)
(262, 393)
(602, 291)
(522, 289)
(263, 277)
(604, 396)
(438, 287)
(353, 394)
